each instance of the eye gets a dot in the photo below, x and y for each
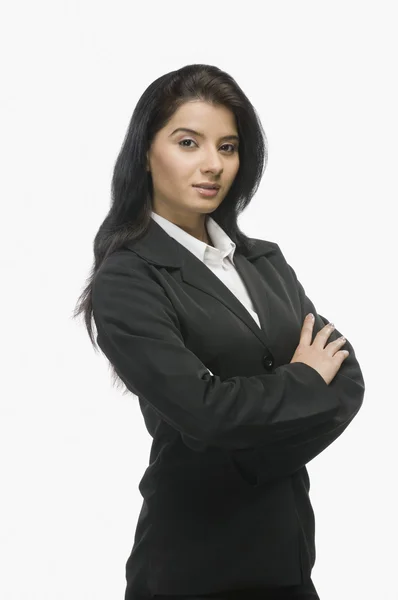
(233, 147)
(182, 141)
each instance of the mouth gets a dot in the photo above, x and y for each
(207, 186)
(209, 192)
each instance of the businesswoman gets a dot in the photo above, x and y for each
(211, 330)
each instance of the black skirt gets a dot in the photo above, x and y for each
(305, 591)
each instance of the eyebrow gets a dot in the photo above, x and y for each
(225, 137)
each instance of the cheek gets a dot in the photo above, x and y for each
(234, 171)
(167, 171)
(176, 166)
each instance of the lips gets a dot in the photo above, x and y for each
(208, 186)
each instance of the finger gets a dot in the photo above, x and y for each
(342, 355)
(306, 331)
(323, 335)
(336, 346)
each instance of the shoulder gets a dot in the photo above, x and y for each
(124, 276)
(267, 248)
(122, 262)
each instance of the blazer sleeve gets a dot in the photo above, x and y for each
(285, 456)
(138, 331)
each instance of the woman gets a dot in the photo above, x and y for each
(209, 328)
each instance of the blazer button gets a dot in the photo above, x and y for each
(268, 361)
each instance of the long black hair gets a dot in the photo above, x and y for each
(131, 187)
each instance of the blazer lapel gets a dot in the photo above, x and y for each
(160, 249)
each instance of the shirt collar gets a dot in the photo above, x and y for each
(223, 245)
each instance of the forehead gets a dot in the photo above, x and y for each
(203, 117)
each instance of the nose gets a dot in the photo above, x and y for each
(212, 162)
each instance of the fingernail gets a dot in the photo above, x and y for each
(310, 315)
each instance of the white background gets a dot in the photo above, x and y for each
(323, 78)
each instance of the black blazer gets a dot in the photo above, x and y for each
(225, 496)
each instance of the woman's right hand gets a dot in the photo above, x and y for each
(326, 360)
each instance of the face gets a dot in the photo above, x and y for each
(179, 159)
